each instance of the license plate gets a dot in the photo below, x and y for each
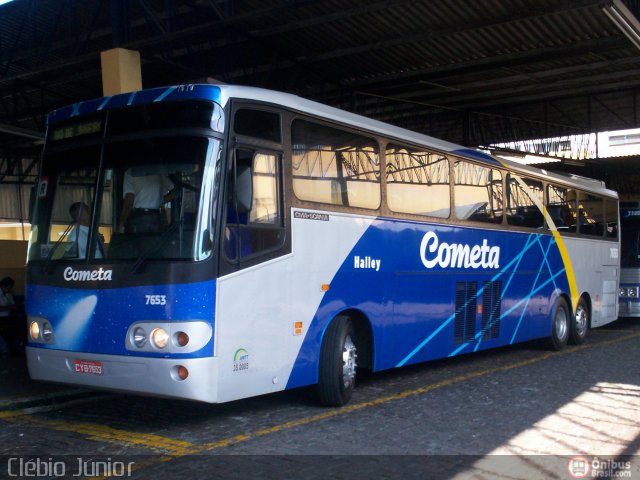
(89, 367)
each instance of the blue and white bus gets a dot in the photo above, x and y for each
(630, 259)
(297, 244)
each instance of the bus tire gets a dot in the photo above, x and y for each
(337, 372)
(560, 325)
(580, 323)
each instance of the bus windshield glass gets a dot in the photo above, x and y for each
(630, 220)
(128, 200)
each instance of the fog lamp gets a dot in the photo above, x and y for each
(179, 372)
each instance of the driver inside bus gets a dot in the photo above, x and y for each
(79, 235)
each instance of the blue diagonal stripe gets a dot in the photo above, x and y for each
(528, 298)
(516, 260)
(164, 94)
(104, 103)
(552, 279)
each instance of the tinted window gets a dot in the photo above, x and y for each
(254, 223)
(417, 181)
(166, 115)
(335, 166)
(258, 124)
(561, 206)
(611, 218)
(522, 210)
(478, 193)
(630, 230)
(590, 215)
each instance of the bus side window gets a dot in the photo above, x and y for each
(590, 215)
(254, 223)
(522, 209)
(611, 218)
(561, 205)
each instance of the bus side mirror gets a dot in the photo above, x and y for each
(244, 188)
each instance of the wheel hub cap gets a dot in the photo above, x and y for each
(348, 361)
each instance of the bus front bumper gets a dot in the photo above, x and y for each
(141, 375)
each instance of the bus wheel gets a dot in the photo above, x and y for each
(580, 323)
(338, 356)
(560, 325)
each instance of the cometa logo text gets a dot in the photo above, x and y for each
(71, 275)
(457, 255)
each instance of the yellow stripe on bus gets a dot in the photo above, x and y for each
(566, 259)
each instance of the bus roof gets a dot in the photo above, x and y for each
(223, 93)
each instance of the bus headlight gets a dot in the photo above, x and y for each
(159, 338)
(34, 331)
(139, 337)
(176, 336)
(40, 330)
(629, 292)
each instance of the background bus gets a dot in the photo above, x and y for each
(630, 260)
(294, 243)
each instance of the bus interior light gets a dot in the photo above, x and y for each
(159, 338)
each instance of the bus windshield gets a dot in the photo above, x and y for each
(630, 222)
(126, 200)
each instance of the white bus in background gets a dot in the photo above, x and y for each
(298, 244)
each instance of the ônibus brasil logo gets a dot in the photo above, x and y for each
(579, 467)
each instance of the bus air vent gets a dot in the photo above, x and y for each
(491, 309)
(465, 319)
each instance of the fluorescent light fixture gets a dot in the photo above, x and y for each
(625, 20)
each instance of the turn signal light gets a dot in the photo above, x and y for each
(182, 339)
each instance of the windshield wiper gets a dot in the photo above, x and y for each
(47, 262)
(157, 245)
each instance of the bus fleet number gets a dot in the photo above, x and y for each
(156, 299)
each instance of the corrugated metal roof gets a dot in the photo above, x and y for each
(442, 67)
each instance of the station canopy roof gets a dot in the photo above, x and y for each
(472, 72)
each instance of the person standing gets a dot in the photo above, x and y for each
(7, 306)
(7, 302)
(143, 197)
